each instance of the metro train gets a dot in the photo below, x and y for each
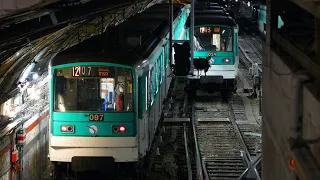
(262, 20)
(106, 94)
(216, 39)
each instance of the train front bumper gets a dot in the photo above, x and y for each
(121, 149)
(218, 72)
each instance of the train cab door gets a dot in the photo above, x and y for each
(143, 113)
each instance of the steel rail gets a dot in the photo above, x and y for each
(187, 152)
(246, 156)
(205, 168)
(255, 166)
(198, 157)
(238, 132)
(248, 58)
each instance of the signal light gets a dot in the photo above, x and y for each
(120, 129)
(226, 60)
(64, 128)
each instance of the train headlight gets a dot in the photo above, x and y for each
(226, 60)
(35, 76)
(66, 128)
(211, 61)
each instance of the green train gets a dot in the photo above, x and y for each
(106, 93)
(216, 39)
(262, 20)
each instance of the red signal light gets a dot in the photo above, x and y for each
(119, 129)
(226, 60)
(122, 129)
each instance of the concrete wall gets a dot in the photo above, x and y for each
(278, 112)
(32, 157)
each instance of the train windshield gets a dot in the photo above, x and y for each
(93, 88)
(213, 39)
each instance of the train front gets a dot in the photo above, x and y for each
(92, 117)
(219, 44)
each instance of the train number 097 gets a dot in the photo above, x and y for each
(96, 117)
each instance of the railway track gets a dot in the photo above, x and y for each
(251, 46)
(220, 137)
(248, 127)
(250, 43)
(175, 152)
(218, 141)
(224, 136)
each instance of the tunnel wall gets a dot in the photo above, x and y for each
(8, 6)
(278, 101)
(32, 157)
(16, 4)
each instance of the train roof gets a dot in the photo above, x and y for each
(208, 7)
(212, 19)
(210, 12)
(91, 50)
(113, 46)
(148, 21)
(162, 7)
(199, 2)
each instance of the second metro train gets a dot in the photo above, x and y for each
(216, 38)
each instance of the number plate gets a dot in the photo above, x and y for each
(96, 117)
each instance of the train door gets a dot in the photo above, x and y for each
(143, 114)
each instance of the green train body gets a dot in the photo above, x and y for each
(106, 93)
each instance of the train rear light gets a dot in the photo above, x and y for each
(120, 129)
(67, 128)
(226, 60)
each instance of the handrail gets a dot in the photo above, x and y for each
(187, 152)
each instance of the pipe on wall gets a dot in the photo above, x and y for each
(297, 81)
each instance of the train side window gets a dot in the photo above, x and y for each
(146, 92)
(153, 85)
(161, 67)
(157, 76)
(143, 94)
(140, 97)
(140, 101)
(167, 54)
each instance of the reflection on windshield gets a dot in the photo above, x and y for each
(212, 39)
(111, 94)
